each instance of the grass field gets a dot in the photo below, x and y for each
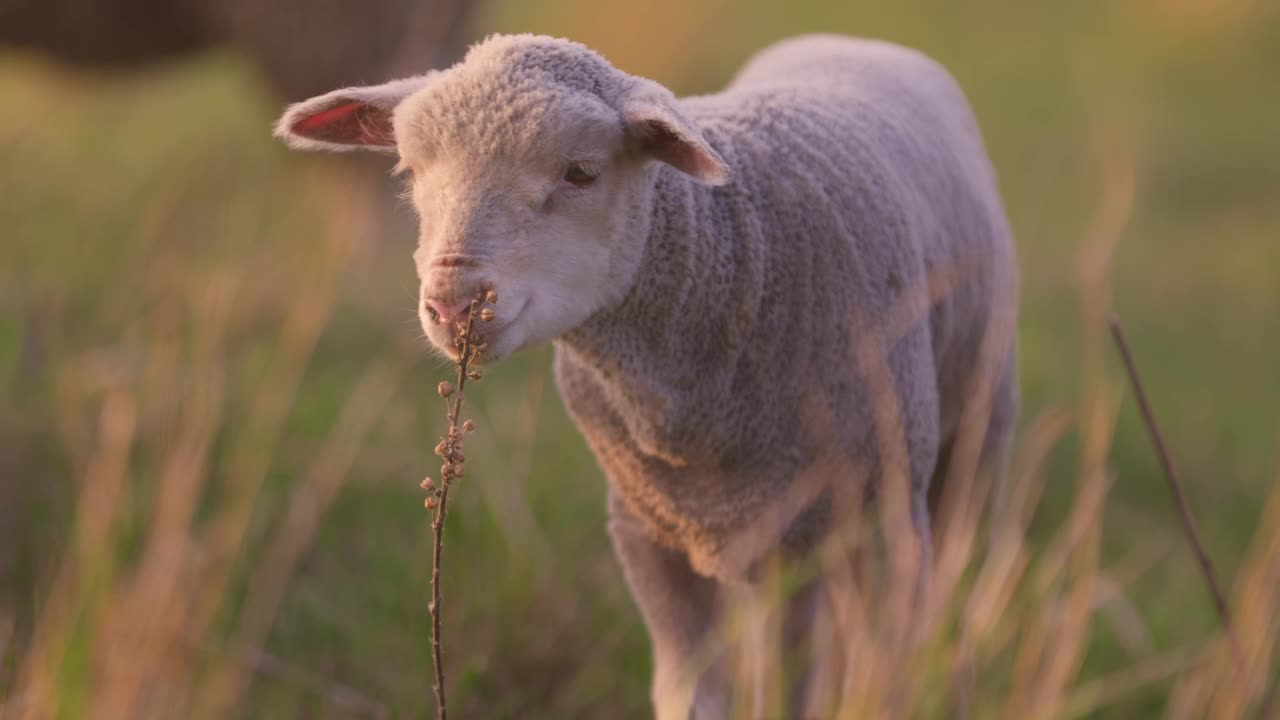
(217, 406)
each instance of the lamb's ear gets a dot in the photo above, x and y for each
(356, 118)
(652, 118)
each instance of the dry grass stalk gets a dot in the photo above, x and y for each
(1175, 486)
(97, 509)
(469, 347)
(308, 504)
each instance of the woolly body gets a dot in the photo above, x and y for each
(860, 184)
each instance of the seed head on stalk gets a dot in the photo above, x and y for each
(469, 346)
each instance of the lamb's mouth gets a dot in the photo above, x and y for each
(488, 333)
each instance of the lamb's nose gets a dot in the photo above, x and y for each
(445, 311)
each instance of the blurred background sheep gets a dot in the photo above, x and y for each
(216, 407)
(301, 47)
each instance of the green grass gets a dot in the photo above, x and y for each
(124, 197)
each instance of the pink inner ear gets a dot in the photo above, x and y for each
(685, 154)
(351, 123)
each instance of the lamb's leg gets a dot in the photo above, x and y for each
(679, 608)
(922, 523)
(810, 637)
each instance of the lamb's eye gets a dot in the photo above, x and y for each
(578, 176)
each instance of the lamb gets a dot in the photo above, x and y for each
(807, 275)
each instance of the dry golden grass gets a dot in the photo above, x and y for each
(1001, 633)
(212, 416)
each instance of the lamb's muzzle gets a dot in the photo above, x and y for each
(445, 312)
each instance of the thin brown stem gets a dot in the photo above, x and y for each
(437, 659)
(1175, 487)
(450, 451)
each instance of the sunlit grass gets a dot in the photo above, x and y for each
(217, 406)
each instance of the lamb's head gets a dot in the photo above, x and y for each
(530, 164)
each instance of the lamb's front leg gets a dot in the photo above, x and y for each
(680, 610)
